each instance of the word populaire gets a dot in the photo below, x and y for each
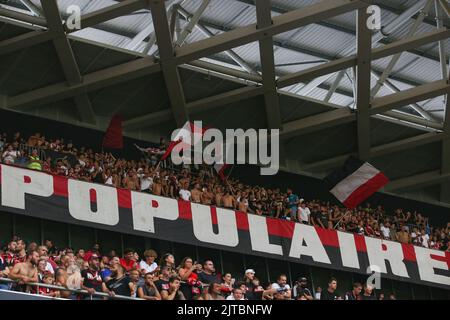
(252, 147)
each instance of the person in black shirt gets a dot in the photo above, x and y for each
(301, 291)
(355, 294)
(330, 293)
(208, 275)
(250, 293)
(163, 282)
(173, 293)
(119, 284)
(92, 281)
(368, 293)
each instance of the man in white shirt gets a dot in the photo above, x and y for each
(386, 230)
(237, 295)
(185, 194)
(146, 180)
(304, 213)
(282, 287)
(10, 155)
(148, 264)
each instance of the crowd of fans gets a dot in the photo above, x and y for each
(201, 185)
(147, 278)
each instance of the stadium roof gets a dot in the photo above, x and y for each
(289, 64)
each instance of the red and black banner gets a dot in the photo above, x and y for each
(41, 195)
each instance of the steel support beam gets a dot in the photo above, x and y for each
(67, 60)
(33, 8)
(379, 106)
(348, 62)
(111, 12)
(235, 57)
(404, 98)
(25, 40)
(363, 66)
(417, 181)
(272, 103)
(389, 148)
(317, 122)
(386, 30)
(168, 65)
(91, 82)
(197, 106)
(335, 85)
(16, 15)
(445, 167)
(285, 22)
(187, 30)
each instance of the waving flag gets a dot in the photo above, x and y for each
(114, 137)
(355, 182)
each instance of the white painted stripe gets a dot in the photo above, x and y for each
(347, 186)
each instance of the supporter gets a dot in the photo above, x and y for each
(355, 294)
(208, 275)
(330, 293)
(249, 293)
(119, 283)
(128, 261)
(92, 281)
(190, 285)
(403, 236)
(214, 292)
(237, 294)
(173, 292)
(48, 292)
(167, 260)
(185, 194)
(163, 282)
(42, 264)
(148, 290)
(25, 272)
(227, 284)
(148, 264)
(10, 155)
(134, 275)
(8, 256)
(292, 202)
(301, 291)
(20, 254)
(282, 288)
(318, 294)
(304, 214)
(4, 272)
(368, 293)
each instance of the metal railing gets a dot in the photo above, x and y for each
(75, 291)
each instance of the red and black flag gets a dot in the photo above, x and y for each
(114, 135)
(355, 182)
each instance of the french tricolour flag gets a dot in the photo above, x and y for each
(355, 182)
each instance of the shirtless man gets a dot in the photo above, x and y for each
(207, 196)
(243, 204)
(131, 182)
(196, 194)
(157, 187)
(25, 272)
(218, 197)
(228, 200)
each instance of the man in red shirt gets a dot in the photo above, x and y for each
(128, 261)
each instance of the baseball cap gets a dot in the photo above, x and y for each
(250, 271)
(302, 279)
